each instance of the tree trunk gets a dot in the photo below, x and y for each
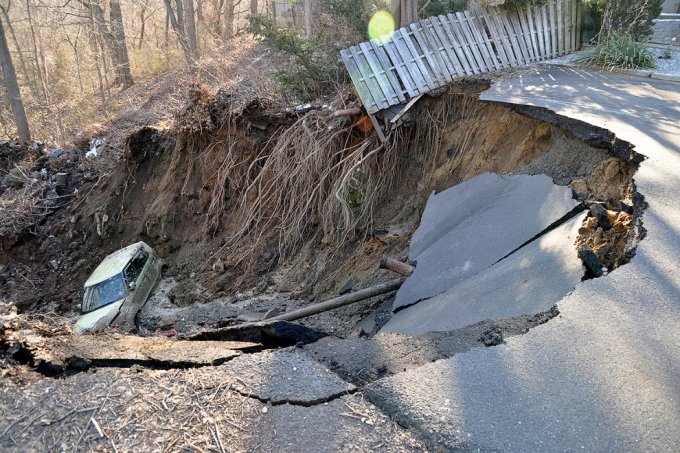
(404, 12)
(253, 7)
(190, 21)
(22, 62)
(167, 26)
(217, 9)
(76, 55)
(12, 87)
(94, 42)
(177, 23)
(122, 60)
(99, 22)
(199, 12)
(142, 26)
(308, 18)
(228, 19)
(38, 67)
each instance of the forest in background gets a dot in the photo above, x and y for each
(68, 63)
(71, 57)
(70, 60)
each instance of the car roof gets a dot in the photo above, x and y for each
(115, 263)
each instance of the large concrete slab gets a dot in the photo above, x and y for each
(529, 281)
(468, 227)
(605, 374)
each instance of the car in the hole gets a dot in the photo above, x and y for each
(118, 288)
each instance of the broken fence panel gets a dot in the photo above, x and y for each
(438, 50)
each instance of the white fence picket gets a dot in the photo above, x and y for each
(437, 50)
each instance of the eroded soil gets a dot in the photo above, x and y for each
(163, 192)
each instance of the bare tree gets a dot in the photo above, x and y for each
(113, 37)
(253, 6)
(12, 88)
(228, 19)
(121, 60)
(142, 19)
(76, 55)
(17, 46)
(36, 55)
(177, 23)
(308, 17)
(190, 22)
(95, 42)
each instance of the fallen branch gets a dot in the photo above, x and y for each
(341, 301)
(347, 112)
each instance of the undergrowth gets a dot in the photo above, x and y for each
(429, 8)
(310, 66)
(633, 18)
(617, 51)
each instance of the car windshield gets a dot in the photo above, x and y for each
(104, 293)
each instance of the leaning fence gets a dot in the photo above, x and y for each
(438, 50)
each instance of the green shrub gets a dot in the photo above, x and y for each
(310, 66)
(352, 14)
(618, 51)
(429, 8)
(522, 4)
(627, 17)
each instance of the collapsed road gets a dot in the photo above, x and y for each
(485, 249)
(605, 374)
(595, 371)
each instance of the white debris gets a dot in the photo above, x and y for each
(95, 145)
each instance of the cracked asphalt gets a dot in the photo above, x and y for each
(605, 374)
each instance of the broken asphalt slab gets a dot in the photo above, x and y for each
(363, 360)
(529, 281)
(59, 353)
(345, 424)
(605, 374)
(470, 226)
(285, 376)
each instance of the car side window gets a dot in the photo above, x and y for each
(135, 267)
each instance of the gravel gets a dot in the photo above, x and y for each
(667, 66)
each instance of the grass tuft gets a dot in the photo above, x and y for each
(617, 51)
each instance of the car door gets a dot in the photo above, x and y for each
(147, 278)
(139, 270)
(134, 273)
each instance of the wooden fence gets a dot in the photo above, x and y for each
(438, 50)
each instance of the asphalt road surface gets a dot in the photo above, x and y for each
(605, 374)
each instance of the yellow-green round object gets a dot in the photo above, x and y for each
(381, 26)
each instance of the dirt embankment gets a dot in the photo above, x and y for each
(190, 194)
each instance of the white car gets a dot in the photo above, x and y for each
(118, 288)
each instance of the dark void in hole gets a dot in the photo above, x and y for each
(275, 334)
(23, 356)
(591, 262)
